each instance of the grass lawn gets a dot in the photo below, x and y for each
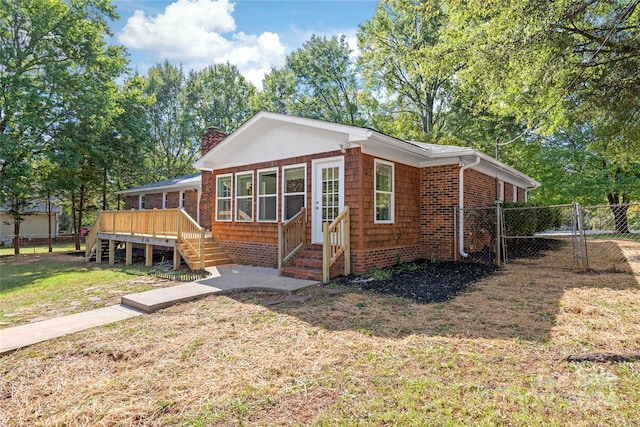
(40, 249)
(41, 286)
(494, 355)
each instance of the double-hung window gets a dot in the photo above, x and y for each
(165, 202)
(293, 190)
(141, 202)
(182, 198)
(244, 196)
(223, 197)
(268, 195)
(384, 192)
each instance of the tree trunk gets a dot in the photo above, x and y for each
(16, 237)
(49, 221)
(74, 220)
(619, 211)
(80, 210)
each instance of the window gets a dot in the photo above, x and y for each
(268, 195)
(501, 191)
(223, 198)
(384, 192)
(515, 194)
(164, 201)
(244, 197)
(182, 198)
(293, 190)
(141, 201)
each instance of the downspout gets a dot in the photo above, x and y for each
(463, 167)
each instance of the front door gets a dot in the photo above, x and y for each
(328, 193)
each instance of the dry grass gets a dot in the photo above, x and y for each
(43, 286)
(492, 356)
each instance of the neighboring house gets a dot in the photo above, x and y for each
(181, 192)
(402, 195)
(35, 224)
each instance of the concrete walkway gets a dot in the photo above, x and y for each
(224, 279)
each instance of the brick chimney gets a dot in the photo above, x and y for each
(212, 137)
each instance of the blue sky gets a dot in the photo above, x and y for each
(254, 35)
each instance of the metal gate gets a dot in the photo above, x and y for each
(599, 237)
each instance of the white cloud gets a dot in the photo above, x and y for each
(198, 33)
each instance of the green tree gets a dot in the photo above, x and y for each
(278, 92)
(405, 62)
(319, 81)
(220, 96)
(176, 143)
(551, 64)
(582, 164)
(51, 52)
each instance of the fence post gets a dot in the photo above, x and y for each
(498, 254)
(582, 244)
(326, 253)
(280, 245)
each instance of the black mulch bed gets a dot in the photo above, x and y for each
(422, 281)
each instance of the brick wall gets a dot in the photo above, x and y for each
(131, 202)
(191, 204)
(212, 137)
(153, 201)
(439, 197)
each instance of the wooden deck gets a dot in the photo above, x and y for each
(172, 228)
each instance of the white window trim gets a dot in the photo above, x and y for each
(500, 191)
(258, 195)
(181, 199)
(515, 193)
(230, 198)
(253, 192)
(165, 201)
(284, 186)
(141, 201)
(392, 192)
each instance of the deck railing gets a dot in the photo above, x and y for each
(291, 236)
(174, 224)
(335, 242)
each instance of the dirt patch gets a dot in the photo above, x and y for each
(422, 281)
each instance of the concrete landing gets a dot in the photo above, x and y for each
(32, 333)
(224, 279)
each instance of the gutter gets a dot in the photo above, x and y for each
(463, 167)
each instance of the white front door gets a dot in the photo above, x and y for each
(328, 193)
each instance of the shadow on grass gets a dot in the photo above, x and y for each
(523, 300)
(25, 270)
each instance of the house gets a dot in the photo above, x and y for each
(35, 224)
(401, 197)
(181, 192)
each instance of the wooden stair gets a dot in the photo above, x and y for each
(307, 264)
(105, 251)
(213, 255)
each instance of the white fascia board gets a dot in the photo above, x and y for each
(496, 168)
(163, 189)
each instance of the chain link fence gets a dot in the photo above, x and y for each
(583, 238)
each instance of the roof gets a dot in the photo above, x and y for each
(179, 183)
(37, 207)
(282, 136)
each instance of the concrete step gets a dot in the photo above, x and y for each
(302, 273)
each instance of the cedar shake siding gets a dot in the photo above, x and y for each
(424, 220)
